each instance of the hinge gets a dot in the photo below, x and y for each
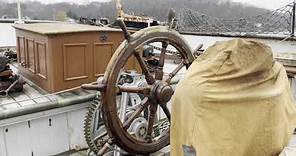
(29, 124)
(49, 122)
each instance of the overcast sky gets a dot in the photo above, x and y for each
(269, 4)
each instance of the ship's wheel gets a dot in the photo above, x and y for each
(156, 93)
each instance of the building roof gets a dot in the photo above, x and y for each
(60, 28)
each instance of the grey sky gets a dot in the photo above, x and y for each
(269, 4)
(56, 1)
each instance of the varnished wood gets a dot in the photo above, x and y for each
(63, 60)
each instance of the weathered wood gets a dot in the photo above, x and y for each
(77, 55)
(6, 73)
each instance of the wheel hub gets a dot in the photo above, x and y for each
(162, 92)
(139, 128)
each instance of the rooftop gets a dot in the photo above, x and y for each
(58, 28)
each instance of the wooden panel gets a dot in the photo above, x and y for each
(102, 56)
(132, 64)
(41, 66)
(67, 60)
(49, 135)
(18, 135)
(21, 50)
(31, 55)
(24, 70)
(75, 61)
(2, 143)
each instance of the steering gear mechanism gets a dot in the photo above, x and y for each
(137, 128)
(94, 129)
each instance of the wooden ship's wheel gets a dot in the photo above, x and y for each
(156, 93)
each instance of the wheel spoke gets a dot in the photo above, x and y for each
(166, 111)
(159, 71)
(175, 71)
(144, 104)
(100, 136)
(151, 119)
(162, 54)
(106, 146)
(150, 79)
(139, 90)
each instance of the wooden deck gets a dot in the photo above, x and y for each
(33, 100)
(29, 96)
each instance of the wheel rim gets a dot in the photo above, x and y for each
(159, 94)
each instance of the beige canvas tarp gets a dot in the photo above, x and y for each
(235, 100)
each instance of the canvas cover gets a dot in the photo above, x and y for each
(235, 100)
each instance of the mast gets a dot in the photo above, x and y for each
(120, 13)
(19, 12)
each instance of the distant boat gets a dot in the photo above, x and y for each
(134, 21)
